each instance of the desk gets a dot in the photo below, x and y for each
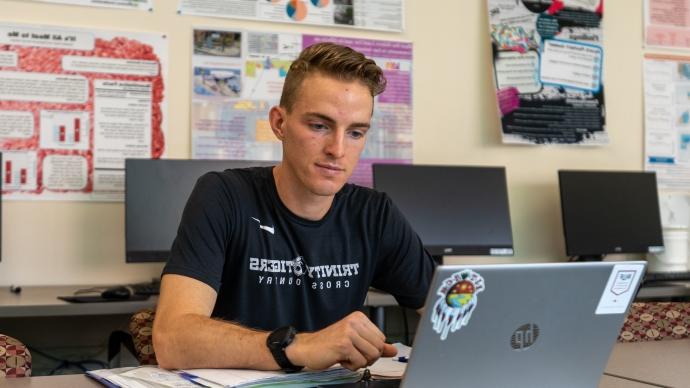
(66, 381)
(38, 318)
(663, 363)
(42, 301)
(664, 292)
(81, 381)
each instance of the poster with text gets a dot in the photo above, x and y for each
(143, 5)
(667, 120)
(74, 104)
(548, 74)
(237, 76)
(667, 23)
(385, 15)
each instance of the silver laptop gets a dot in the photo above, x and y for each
(521, 325)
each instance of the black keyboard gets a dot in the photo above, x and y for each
(666, 277)
(152, 288)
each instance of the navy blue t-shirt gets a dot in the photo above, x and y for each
(272, 268)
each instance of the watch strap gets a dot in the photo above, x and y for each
(277, 341)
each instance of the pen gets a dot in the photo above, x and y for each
(401, 359)
(191, 378)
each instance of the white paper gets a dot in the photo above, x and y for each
(390, 367)
(571, 64)
(19, 170)
(65, 129)
(16, 124)
(667, 119)
(386, 15)
(8, 59)
(620, 289)
(43, 87)
(122, 115)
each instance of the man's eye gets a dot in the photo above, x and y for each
(318, 126)
(357, 134)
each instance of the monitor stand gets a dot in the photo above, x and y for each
(584, 258)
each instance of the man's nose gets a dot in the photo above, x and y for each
(336, 144)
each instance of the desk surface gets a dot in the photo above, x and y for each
(42, 301)
(81, 381)
(656, 362)
(664, 291)
(66, 381)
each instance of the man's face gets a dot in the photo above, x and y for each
(324, 133)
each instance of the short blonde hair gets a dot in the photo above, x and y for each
(340, 62)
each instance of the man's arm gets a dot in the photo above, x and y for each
(185, 336)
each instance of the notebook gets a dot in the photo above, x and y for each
(521, 325)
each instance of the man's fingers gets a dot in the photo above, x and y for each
(370, 332)
(370, 351)
(363, 323)
(389, 350)
(354, 361)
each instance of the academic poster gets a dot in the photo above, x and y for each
(238, 75)
(548, 59)
(667, 23)
(667, 119)
(385, 15)
(74, 103)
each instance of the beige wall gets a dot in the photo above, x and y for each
(455, 122)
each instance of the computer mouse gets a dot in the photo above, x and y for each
(119, 292)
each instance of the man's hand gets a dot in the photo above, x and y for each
(354, 342)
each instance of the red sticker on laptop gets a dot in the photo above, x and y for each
(457, 299)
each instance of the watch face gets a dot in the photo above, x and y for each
(283, 337)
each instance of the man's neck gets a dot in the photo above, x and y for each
(297, 199)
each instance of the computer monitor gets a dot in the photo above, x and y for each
(609, 212)
(456, 210)
(156, 192)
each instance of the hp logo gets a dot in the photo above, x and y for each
(525, 336)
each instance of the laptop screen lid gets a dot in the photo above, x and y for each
(521, 325)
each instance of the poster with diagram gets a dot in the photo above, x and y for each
(74, 103)
(548, 58)
(238, 75)
(385, 15)
(667, 119)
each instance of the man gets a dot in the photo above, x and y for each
(271, 265)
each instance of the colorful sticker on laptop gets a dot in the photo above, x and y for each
(457, 299)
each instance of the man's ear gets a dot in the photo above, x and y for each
(277, 117)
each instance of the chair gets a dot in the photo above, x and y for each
(15, 358)
(141, 329)
(656, 321)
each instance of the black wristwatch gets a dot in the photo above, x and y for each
(277, 341)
